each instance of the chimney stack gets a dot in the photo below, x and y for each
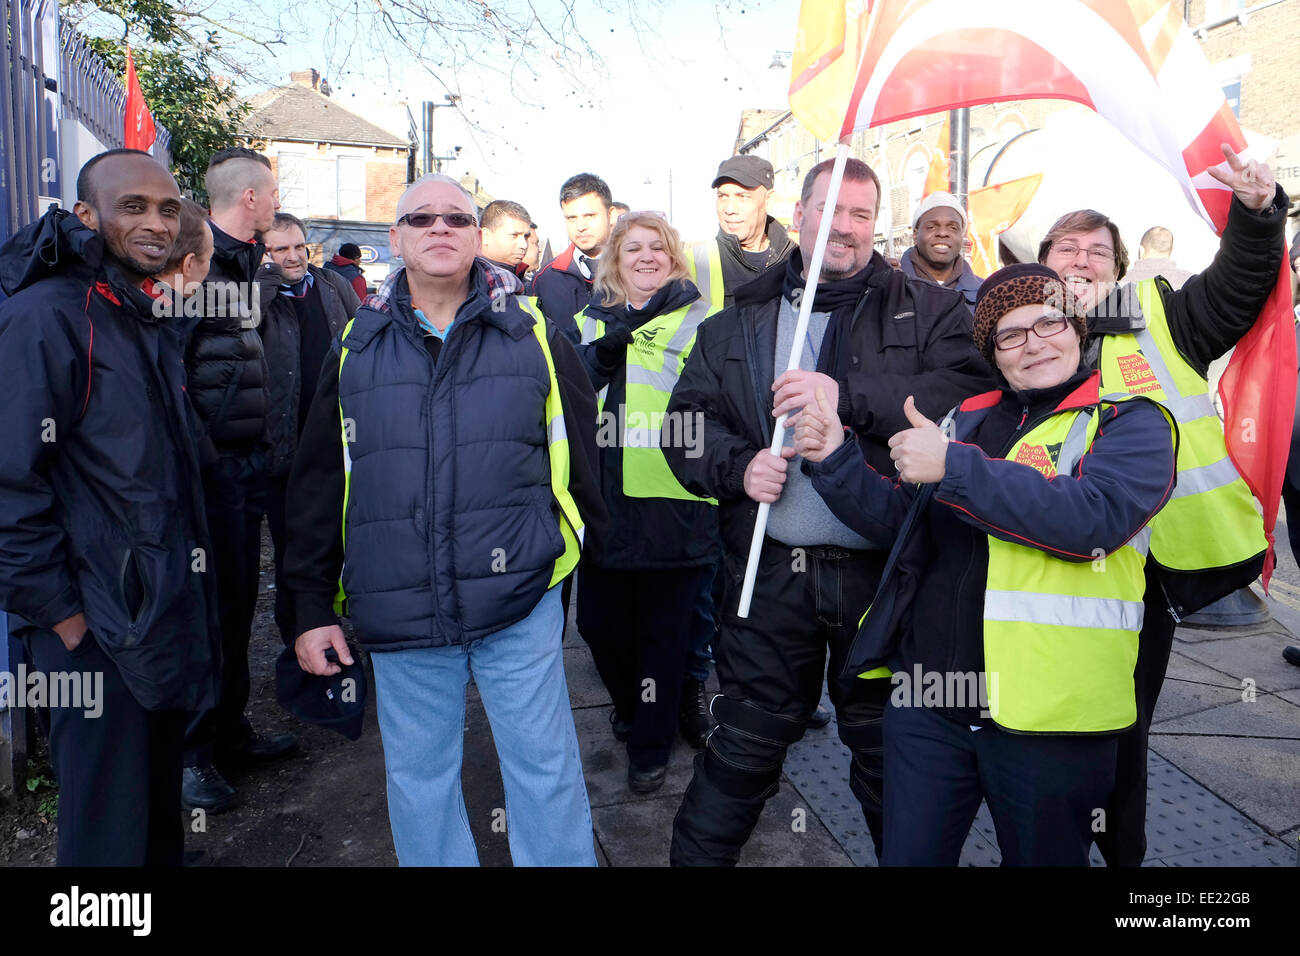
(307, 78)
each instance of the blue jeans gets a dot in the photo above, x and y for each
(519, 672)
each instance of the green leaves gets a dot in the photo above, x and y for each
(201, 110)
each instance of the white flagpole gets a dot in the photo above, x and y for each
(801, 329)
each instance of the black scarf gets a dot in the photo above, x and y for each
(833, 295)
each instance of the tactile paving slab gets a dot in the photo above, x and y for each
(1187, 825)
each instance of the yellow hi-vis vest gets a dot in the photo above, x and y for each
(655, 360)
(712, 287)
(1061, 638)
(557, 441)
(1211, 520)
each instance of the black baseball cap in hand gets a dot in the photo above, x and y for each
(337, 702)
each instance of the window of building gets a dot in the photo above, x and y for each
(352, 187)
(291, 170)
(1232, 93)
(322, 188)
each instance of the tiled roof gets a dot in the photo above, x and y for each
(296, 112)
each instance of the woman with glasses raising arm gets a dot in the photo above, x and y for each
(1011, 602)
(1151, 339)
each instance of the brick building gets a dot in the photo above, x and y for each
(338, 172)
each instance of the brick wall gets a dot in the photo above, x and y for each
(1268, 90)
(385, 182)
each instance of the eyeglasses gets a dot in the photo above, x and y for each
(423, 220)
(1095, 253)
(1045, 327)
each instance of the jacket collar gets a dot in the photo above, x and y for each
(487, 286)
(777, 241)
(668, 298)
(1119, 313)
(55, 244)
(967, 280)
(236, 256)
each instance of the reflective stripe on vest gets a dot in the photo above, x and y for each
(340, 596)
(1211, 520)
(1060, 637)
(557, 440)
(654, 363)
(712, 288)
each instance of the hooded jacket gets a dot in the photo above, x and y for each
(227, 366)
(101, 505)
(351, 272)
(452, 531)
(899, 337)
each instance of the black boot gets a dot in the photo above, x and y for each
(693, 714)
(204, 787)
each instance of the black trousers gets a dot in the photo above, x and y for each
(1123, 842)
(637, 624)
(285, 612)
(1043, 791)
(770, 669)
(235, 493)
(119, 770)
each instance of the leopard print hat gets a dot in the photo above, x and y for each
(1025, 283)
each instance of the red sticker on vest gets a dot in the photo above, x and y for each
(1036, 457)
(1138, 377)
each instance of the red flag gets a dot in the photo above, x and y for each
(1133, 61)
(138, 130)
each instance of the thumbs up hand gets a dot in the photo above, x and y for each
(920, 453)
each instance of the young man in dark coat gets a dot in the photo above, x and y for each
(304, 312)
(563, 285)
(228, 386)
(104, 553)
(875, 338)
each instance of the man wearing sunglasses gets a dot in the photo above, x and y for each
(1151, 339)
(439, 496)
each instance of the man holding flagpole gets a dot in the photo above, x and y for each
(873, 337)
(1157, 341)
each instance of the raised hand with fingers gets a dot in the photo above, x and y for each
(765, 475)
(920, 453)
(818, 431)
(1251, 181)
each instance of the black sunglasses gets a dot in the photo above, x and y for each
(423, 220)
